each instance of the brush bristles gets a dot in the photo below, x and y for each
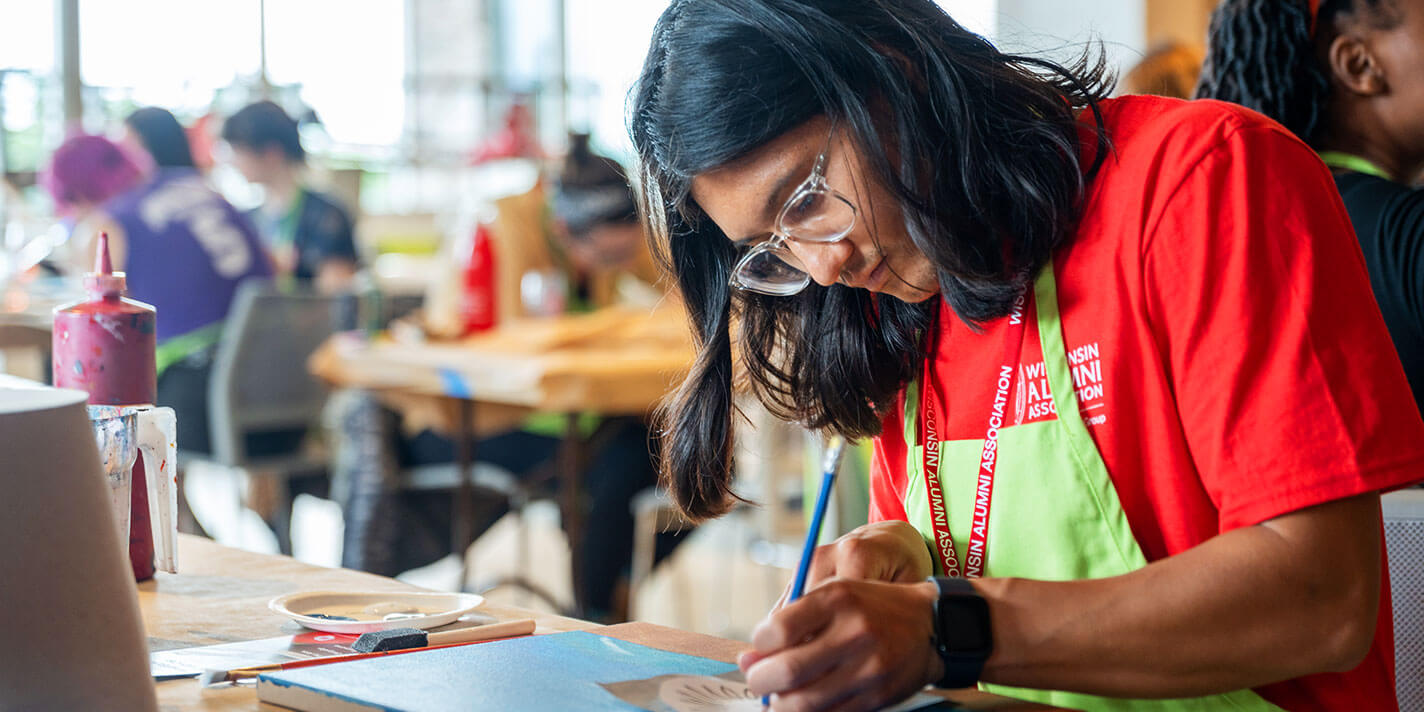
(217, 677)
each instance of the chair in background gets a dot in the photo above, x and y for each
(260, 384)
(490, 480)
(1404, 538)
(367, 481)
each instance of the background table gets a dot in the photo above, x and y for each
(618, 361)
(221, 597)
(26, 318)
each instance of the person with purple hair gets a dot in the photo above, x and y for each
(184, 247)
(85, 172)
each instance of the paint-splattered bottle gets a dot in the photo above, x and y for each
(104, 345)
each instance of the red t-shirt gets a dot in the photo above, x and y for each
(1229, 359)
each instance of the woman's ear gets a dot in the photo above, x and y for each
(1353, 66)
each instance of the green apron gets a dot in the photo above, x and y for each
(1059, 517)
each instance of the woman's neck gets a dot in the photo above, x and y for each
(1400, 163)
(281, 189)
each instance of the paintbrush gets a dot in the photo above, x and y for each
(829, 464)
(450, 639)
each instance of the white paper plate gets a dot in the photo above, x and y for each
(369, 609)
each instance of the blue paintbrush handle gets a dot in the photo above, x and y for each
(829, 465)
(813, 533)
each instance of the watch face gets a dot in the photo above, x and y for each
(964, 625)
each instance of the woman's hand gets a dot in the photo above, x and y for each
(847, 645)
(890, 551)
(862, 631)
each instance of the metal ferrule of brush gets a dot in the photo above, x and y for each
(830, 461)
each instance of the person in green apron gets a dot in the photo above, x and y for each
(1131, 404)
(1347, 77)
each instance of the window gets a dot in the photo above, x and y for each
(349, 64)
(171, 53)
(978, 16)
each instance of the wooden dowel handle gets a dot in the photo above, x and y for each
(507, 629)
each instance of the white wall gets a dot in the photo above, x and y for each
(979, 16)
(1060, 27)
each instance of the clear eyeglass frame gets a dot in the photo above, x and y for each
(815, 213)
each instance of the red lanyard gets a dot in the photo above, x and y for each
(978, 550)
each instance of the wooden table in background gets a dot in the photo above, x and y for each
(222, 595)
(618, 361)
(25, 324)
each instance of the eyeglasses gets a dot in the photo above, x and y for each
(815, 213)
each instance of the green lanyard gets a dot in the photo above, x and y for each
(1348, 162)
(287, 226)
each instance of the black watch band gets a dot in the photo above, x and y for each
(962, 635)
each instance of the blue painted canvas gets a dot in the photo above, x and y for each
(560, 672)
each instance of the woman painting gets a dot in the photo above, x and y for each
(1136, 335)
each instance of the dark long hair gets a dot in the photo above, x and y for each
(163, 136)
(1262, 54)
(263, 125)
(990, 178)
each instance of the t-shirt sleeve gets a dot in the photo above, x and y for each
(1284, 376)
(887, 469)
(333, 237)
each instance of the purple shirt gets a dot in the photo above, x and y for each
(188, 249)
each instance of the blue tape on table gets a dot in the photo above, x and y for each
(454, 384)
(564, 671)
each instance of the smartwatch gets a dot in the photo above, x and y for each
(962, 635)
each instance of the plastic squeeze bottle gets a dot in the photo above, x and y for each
(477, 297)
(105, 345)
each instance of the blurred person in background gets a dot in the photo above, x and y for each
(82, 175)
(1347, 77)
(1170, 70)
(185, 249)
(309, 232)
(598, 245)
(156, 132)
(595, 230)
(517, 138)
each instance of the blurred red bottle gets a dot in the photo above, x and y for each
(477, 295)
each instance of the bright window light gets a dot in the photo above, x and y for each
(169, 53)
(349, 62)
(978, 16)
(27, 36)
(605, 53)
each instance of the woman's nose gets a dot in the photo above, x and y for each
(824, 261)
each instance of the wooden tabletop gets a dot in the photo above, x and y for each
(222, 595)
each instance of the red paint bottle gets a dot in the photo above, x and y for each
(477, 296)
(105, 345)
